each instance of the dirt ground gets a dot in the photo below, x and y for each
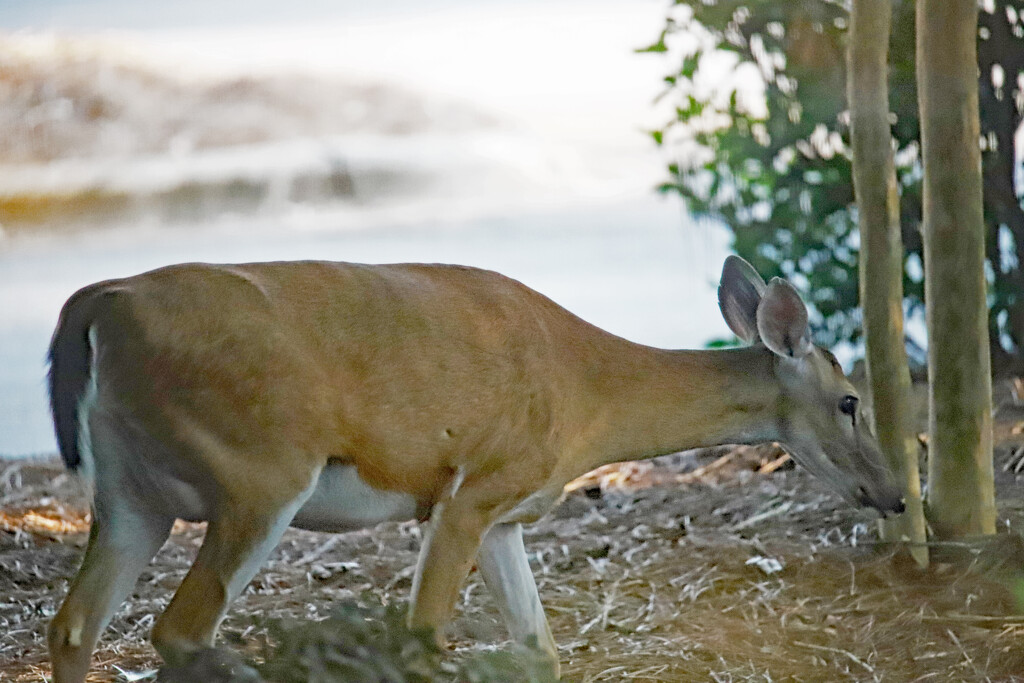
(722, 565)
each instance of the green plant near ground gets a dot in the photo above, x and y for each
(368, 642)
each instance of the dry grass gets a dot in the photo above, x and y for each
(740, 576)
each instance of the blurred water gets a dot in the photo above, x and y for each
(563, 67)
(557, 193)
(133, 14)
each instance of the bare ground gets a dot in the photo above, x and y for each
(739, 568)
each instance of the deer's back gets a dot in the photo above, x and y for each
(407, 371)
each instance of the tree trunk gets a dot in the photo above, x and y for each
(961, 496)
(881, 261)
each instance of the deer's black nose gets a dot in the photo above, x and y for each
(885, 503)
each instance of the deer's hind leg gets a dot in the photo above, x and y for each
(124, 537)
(246, 526)
(121, 544)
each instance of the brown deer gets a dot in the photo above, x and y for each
(333, 396)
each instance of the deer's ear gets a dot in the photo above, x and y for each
(739, 296)
(782, 320)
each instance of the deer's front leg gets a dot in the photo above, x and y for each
(449, 548)
(505, 568)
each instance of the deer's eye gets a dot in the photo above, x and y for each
(848, 406)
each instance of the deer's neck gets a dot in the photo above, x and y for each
(646, 402)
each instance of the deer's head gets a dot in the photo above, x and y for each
(819, 419)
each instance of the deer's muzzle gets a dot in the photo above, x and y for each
(888, 501)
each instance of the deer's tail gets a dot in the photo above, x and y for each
(70, 376)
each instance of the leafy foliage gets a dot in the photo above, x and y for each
(354, 644)
(763, 145)
(370, 643)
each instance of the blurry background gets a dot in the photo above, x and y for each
(507, 134)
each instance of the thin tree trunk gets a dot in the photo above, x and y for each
(961, 496)
(881, 261)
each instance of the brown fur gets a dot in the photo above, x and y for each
(460, 387)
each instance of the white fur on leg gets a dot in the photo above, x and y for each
(506, 570)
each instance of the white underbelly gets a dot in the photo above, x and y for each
(342, 501)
